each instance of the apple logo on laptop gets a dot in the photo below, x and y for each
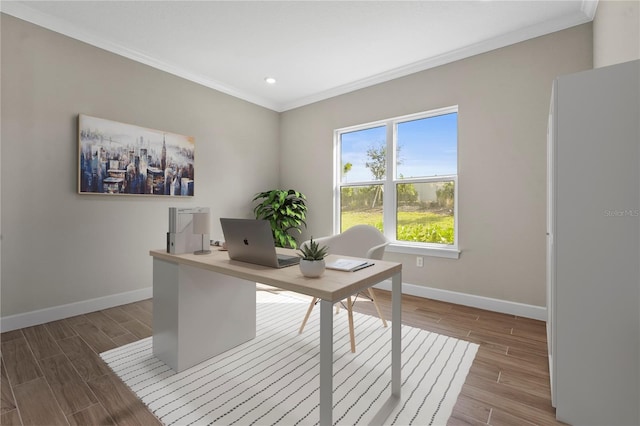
(246, 242)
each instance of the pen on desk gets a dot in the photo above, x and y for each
(366, 265)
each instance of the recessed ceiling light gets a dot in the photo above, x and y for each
(270, 80)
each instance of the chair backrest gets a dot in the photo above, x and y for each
(358, 241)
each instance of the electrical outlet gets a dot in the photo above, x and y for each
(419, 261)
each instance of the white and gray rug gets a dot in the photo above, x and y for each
(273, 379)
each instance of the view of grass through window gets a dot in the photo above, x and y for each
(425, 212)
(422, 178)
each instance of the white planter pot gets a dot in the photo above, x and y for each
(312, 268)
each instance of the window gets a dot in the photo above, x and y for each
(401, 176)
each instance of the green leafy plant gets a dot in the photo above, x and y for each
(313, 251)
(286, 211)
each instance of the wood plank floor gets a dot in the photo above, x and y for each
(51, 374)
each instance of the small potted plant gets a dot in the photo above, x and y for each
(312, 259)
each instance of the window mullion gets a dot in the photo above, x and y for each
(337, 181)
(389, 197)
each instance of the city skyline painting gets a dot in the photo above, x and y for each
(120, 158)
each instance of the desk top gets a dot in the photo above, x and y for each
(332, 285)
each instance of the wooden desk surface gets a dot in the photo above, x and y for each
(332, 285)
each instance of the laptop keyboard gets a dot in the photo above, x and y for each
(287, 260)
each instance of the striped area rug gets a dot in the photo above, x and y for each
(273, 379)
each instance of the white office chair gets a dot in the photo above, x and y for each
(358, 241)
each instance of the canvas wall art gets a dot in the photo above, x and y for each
(119, 158)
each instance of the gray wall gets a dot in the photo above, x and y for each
(59, 247)
(616, 32)
(503, 99)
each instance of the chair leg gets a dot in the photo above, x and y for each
(351, 331)
(375, 303)
(306, 317)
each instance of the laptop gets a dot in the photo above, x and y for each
(251, 241)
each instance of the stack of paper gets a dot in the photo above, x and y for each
(348, 264)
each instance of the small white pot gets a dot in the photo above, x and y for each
(312, 268)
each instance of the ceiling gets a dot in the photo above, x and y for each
(315, 49)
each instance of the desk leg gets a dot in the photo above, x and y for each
(396, 331)
(396, 350)
(326, 363)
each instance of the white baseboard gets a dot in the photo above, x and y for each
(481, 302)
(28, 319)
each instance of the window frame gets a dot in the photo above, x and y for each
(390, 181)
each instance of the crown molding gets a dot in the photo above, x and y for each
(26, 13)
(589, 8)
(456, 55)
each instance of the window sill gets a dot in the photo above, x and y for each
(449, 253)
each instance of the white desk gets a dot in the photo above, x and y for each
(193, 295)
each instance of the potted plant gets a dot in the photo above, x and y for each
(286, 210)
(312, 259)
